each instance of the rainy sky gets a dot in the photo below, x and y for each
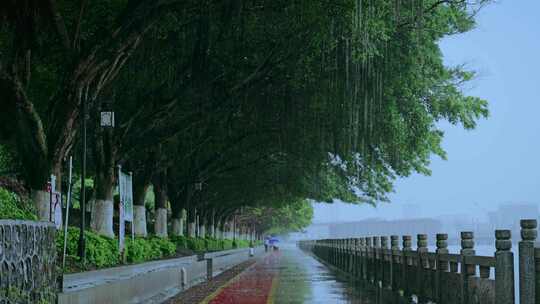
(499, 162)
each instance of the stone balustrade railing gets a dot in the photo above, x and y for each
(405, 275)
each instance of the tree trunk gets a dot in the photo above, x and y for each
(217, 231)
(139, 221)
(192, 231)
(139, 210)
(141, 182)
(160, 191)
(178, 199)
(178, 226)
(212, 224)
(202, 229)
(41, 200)
(103, 207)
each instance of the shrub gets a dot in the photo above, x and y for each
(101, 251)
(196, 244)
(13, 207)
(207, 244)
(141, 250)
(228, 244)
(242, 243)
(180, 242)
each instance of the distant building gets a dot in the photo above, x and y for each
(379, 227)
(507, 216)
(312, 232)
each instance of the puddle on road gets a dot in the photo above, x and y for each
(303, 279)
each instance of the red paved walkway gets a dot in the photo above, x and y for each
(253, 286)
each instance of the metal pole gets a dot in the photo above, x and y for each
(67, 211)
(50, 198)
(132, 211)
(82, 251)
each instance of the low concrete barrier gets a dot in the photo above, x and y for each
(223, 260)
(151, 282)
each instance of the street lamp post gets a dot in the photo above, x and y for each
(82, 242)
(106, 120)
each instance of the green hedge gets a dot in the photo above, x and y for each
(13, 207)
(208, 244)
(101, 251)
(154, 248)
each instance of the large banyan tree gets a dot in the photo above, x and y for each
(233, 105)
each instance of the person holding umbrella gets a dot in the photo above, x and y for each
(266, 243)
(273, 243)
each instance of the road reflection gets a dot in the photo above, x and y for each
(303, 279)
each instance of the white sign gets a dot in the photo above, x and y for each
(125, 182)
(55, 204)
(121, 234)
(125, 189)
(57, 209)
(107, 119)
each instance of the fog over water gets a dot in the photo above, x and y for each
(497, 164)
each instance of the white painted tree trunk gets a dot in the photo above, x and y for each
(102, 217)
(192, 231)
(139, 221)
(177, 227)
(202, 231)
(160, 225)
(42, 202)
(197, 227)
(212, 231)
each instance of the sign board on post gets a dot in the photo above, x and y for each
(55, 203)
(125, 189)
(126, 194)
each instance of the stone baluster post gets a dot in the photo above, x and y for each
(340, 253)
(339, 249)
(346, 255)
(406, 262)
(441, 266)
(504, 268)
(421, 263)
(527, 271)
(334, 244)
(394, 260)
(358, 257)
(355, 257)
(328, 248)
(467, 249)
(352, 254)
(369, 261)
(332, 249)
(376, 259)
(384, 262)
(363, 254)
(537, 273)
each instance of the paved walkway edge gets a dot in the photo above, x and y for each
(227, 284)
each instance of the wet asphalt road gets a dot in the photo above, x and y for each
(303, 279)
